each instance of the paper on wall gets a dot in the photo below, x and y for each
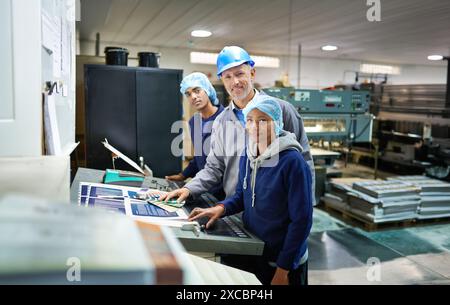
(52, 139)
(57, 60)
(48, 31)
(51, 39)
(66, 41)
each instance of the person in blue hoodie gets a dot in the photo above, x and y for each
(202, 96)
(274, 194)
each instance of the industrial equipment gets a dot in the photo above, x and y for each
(414, 129)
(330, 115)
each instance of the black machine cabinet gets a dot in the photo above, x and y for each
(134, 108)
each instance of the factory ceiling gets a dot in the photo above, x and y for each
(408, 32)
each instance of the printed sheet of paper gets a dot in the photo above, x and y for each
(124, 200)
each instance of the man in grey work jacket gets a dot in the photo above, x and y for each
(235, 69)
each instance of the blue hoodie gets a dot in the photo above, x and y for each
(204, 127)
(276, 200)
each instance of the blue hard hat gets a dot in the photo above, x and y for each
(231, 57)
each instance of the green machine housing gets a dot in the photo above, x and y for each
(331, 115)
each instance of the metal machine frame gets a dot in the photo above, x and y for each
(331, 115)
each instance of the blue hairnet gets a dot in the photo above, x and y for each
(199, 80)
(269, 106)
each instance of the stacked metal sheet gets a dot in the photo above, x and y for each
(435, 196)
(337, 195)
(376, 201)
(385, 201)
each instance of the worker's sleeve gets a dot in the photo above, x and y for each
(298, 179)
(211, 175)
(291, 119)
(191, 170)
(235, 203)
(293, 122)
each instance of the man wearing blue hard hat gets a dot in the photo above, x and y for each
(236, 69)
(201, 95)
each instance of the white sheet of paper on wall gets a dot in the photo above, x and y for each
(65, 48)
(52, 139)
(57, 52)
(51, 39)
(48, 34)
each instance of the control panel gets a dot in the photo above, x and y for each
(323, 101)
(222, 227)
(162, 184)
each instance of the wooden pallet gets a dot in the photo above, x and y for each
(365, 224)
(432, 221)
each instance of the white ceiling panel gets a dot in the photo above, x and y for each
(409, 29)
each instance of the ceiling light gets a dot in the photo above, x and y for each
(329, 48)
(435, 57)
(201, 33)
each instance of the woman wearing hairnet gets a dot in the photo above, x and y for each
(274, 192)
(202, 96)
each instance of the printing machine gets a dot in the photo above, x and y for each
(331, 115)
(414, 129)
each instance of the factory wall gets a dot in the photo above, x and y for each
(315, 73)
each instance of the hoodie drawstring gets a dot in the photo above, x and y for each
(252, 179)
(245, 178)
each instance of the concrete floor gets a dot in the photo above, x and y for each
(343, 254)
